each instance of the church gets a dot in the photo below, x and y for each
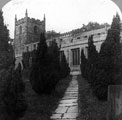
(27, 33)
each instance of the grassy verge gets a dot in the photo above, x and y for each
(90, 107)
(41, 107)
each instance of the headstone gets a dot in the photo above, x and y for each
(114, 102)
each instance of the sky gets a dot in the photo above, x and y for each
(61, 15)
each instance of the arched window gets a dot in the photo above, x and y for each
(20, 29)
(35, 29)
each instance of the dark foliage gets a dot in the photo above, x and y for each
(88, 65)
(92, 53)
(4, 35)
(13, 94)
(90, 26)
(28, 58)
(45, 67)
(83, 64)
(65, 70)
(105, 68)
(38, 72)
(54, 55)
(6, 51)
(51, 34)
(109, 64)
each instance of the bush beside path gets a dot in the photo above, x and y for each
(90, 108)
(40, 107)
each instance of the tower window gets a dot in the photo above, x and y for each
(78, 37)
(34, 46)
(20, 29)
(27, 49)
(35, 29)
(61, 55)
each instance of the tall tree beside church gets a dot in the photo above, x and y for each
(92, 53)
(83, 63)
(65, 70)
(54, 66)
(38, 73)
(6, 52)
(109, 65)
(13, 97)
(92, 59)
(4, 34)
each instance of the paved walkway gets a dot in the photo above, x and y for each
(68, 105)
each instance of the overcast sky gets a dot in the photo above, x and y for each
(61, 15)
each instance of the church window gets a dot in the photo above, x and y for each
(35, 29)
(61, 54)
(98, 33)
(50, 42)
(27, 48)
(78, 37)
(37, 45)
(34, 46)
(20, 29)
(76, 56)
(86, 51)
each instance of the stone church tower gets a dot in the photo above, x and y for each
(27, 34)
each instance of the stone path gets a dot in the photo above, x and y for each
(68, 105)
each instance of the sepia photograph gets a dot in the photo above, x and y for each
(60, 59)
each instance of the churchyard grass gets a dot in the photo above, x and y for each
(41, 107)
(90, 107)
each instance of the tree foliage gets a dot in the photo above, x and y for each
(90, 26)
(13, 97)
(105, 68)
(45, 68)
(64, 67)
(51, 34)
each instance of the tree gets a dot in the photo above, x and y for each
(83, 64)
(13, 97)
(65, 70)
(6, 51)
(92, 59)
(92, 52)
(109, 65)
(39, 67)
(4, 35)
(51, 34)
(54, 53)
(26, 57)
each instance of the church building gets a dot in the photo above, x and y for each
(27, 33)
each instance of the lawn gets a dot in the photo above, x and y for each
(41, 107)
(90, 107)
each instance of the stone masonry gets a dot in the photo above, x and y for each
(68, 105)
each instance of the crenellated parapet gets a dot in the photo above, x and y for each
(36, 21)
(27, 33)
(20, 21)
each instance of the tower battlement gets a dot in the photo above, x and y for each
(27, 34)
(37, 21)
(20, 21)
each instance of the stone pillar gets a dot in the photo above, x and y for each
(114, 102)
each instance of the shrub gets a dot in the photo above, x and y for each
(13, 97)
(65, 70)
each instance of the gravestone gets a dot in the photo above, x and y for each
(114, 102)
